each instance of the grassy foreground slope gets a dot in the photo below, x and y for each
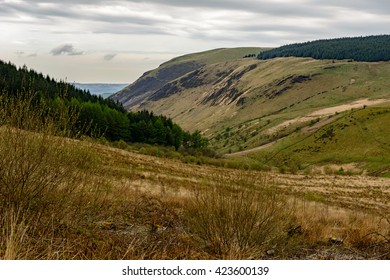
(71, 199)
(116, 204)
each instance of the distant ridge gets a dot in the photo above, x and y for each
(100, 88)
(368, 49)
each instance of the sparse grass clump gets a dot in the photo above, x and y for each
(236, 222)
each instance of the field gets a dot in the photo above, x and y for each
(81, 200)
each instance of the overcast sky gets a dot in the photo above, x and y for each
(116, 41)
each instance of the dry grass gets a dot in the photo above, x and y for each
(329, 232)
(67, 199)
(234, 221)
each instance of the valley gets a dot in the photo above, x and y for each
(214, 155)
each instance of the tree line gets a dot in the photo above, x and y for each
(96, 117)
(369, 48)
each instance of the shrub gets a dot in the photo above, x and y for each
(235, 221)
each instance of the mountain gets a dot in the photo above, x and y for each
(245, 103)
(100, 89)
(155, 83)
(246, 92)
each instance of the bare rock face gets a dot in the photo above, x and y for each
(226, 92)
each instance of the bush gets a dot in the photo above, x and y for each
(235, 221)
(191, 159)
(121, 145)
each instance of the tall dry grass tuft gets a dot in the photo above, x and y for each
(330, 232)
(235, 221)
(40, 173)
(13, 234)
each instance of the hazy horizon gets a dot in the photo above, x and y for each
(116, 41)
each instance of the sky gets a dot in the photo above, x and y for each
(99, 41)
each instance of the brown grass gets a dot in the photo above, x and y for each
(234, 221)
(68, 199)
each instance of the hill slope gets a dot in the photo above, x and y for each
(246, 103)
(356, 139)
(152, 81)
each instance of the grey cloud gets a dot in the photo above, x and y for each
(310, 8)
(34, 10)
(129, 29)
(250, 6)
(23, 54)
(248, 20)
(109, 57)
(372, 6)
(62, 9)
(349, 29)
(66, 49)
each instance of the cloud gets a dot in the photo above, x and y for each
(109, 57)
(162, 29)
(199, 19)
(65, 49)
(23, 54)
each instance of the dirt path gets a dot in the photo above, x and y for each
(327, 112)
(250, 151)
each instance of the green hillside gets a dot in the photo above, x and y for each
(242, 104)
(359, 136)
(236, 104)
(13, 80)
(215, 56)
